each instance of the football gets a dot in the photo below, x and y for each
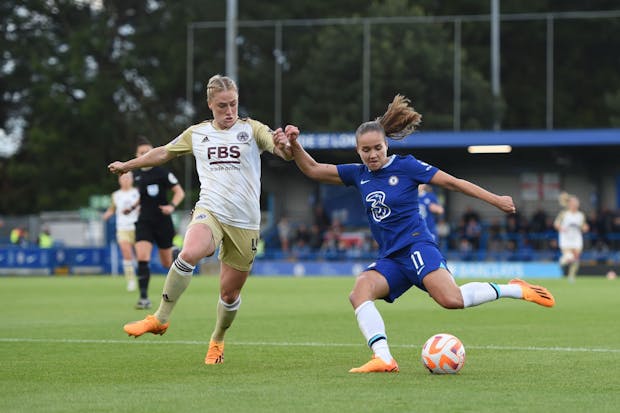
(443, 354)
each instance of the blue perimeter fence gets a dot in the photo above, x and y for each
(107, 260)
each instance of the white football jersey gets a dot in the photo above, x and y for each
(229, 168)
(124, 200)
(570, 234)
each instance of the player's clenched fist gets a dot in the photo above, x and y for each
(117, 167)
(291, 132)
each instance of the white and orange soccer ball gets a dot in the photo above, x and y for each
(443, 354)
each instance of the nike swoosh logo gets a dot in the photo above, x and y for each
(419, 270)
(364, 181)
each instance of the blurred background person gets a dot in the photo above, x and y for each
(429, 207)
(284, 234)
(126, 205)
(45, 239)
(19, 237)
(571, 224)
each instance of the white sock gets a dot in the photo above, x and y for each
(476, 293)
(226, 314)
(177, 280)
(128, 270)
(372, 327)
(510, 290)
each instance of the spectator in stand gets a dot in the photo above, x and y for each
(316, 238)
(443, 232)
(465, 249)
(514, 230)
(597, 232)
(321, 219)
(614, 217)
(571, 224)
(460, 234)
(470, 213)
(369, 245)
(301, 247)
(538, 221)
(302, 234)
(473, 232)
(538, 227)
(284, 234)
(429, 207)
(300, 250)
(496, 233)
(331, 241)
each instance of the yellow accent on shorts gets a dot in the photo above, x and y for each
(126, 235)
(237, 245)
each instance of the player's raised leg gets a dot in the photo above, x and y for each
(441, 286)
(199, 244)
(177, 280)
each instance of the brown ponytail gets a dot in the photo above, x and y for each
(400, 119)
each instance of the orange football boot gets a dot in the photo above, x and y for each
(377, 365)
(215, 354)
(149, 325)
(535, 293)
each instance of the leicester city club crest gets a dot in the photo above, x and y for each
(243, 137)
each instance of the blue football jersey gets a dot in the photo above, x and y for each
(390, 198)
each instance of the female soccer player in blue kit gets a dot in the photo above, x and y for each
(408, 253)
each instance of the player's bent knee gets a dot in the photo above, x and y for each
(354, 300)
(229, 297)
(189, 258)
(362, 291)
(450, 302)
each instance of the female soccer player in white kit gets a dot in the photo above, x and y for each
(124, 201)
(571, 224)
(227, 215)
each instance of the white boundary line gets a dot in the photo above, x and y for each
(292, 344)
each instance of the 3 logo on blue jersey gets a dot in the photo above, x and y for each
(379, 209)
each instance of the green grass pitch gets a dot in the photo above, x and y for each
(62, 349)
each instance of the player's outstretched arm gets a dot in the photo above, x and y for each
(502, 202)
(154, 157)
(322, 172)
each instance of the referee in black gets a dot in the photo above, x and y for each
(154, 225)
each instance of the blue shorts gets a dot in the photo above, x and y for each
(404, 270)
